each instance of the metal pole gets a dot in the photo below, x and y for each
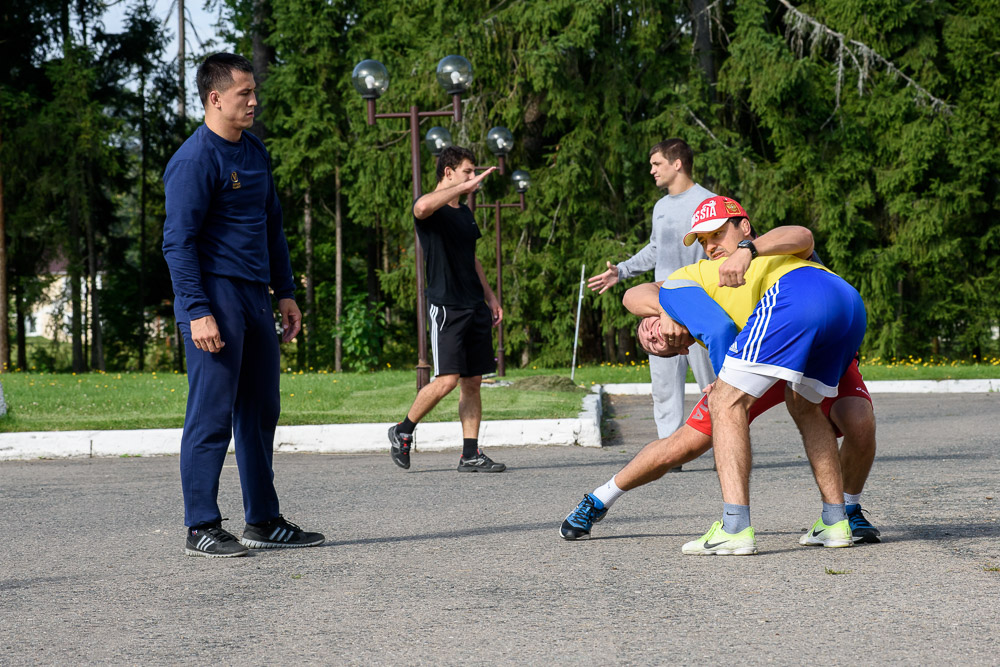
(414, 115)
(423, 368)
(576, 336)
(500, 357)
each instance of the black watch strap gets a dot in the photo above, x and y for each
(748, 244)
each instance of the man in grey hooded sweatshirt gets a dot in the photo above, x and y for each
(670, 164)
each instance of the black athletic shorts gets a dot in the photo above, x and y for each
(462, 340)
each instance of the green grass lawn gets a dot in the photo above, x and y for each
(66, 402)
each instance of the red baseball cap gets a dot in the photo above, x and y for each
(712, 214)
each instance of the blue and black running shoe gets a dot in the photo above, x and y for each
(577, 525)
(861, 528)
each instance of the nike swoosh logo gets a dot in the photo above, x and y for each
(712, 545)
(817, 533)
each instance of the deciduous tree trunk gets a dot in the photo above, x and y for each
(142, 225)
(93, 267)
(181, 71)
(310, 314)
(263, 56)
(22, 335)
(338, 352)
(4, 315)
(701, 21)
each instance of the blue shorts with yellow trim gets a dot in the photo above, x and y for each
(805, 330)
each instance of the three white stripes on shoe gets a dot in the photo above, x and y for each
(280, 535)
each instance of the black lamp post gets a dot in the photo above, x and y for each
(500, 141)
(371, 80)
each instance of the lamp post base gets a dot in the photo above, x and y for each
(423, 375)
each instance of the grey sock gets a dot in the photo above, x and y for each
(735, 518)
(832, 513)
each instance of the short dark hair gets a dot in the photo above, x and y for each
(676, 149)
(736, 223)
(452, 156)
(216, 73)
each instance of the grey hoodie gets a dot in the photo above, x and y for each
(665, 251)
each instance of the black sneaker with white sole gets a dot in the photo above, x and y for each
(279, 533)
(479, 463)
(399, 446)
(213, 542)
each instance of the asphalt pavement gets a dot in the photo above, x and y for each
(430, 566)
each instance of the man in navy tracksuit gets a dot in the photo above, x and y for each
(224, 244)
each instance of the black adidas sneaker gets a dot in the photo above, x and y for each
(279, 534)
(213, 542)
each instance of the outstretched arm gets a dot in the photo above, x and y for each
(434, 200)
(788, 240)
(644, 301)
(687, 302)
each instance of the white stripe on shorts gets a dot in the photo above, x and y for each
(764, 309)
(434, 333)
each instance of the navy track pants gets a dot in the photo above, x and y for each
(232, 393)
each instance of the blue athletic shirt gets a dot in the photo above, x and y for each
(688, 304)
(224, 218)
(692, 307)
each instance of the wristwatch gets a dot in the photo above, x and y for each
(748, 244)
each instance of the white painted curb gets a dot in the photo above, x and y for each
(874, 387)
(584, 431)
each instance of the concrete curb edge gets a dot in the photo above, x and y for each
(584, 431)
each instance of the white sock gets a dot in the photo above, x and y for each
(608, 493)
(852, 498)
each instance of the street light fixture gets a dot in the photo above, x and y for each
(437, 139)
(454, 73)
(521, 180)
(371, 80)
(500, 142)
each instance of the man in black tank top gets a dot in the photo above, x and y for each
(463, 310)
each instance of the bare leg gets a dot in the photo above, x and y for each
(731, 438)
(431, 395)
(820, 444)
(470, 405)
(658, 457)
(856, 420)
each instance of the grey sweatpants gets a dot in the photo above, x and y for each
(668, 377)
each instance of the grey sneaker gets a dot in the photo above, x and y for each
(400, 444)
(279, 533)
(479, 463)
(213, 542)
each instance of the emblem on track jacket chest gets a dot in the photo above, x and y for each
(236, 181)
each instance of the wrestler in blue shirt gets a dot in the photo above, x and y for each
(225, 247)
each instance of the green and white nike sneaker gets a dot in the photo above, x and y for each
(717, 542)
(822, 535)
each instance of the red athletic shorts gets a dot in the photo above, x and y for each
(851, 384)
